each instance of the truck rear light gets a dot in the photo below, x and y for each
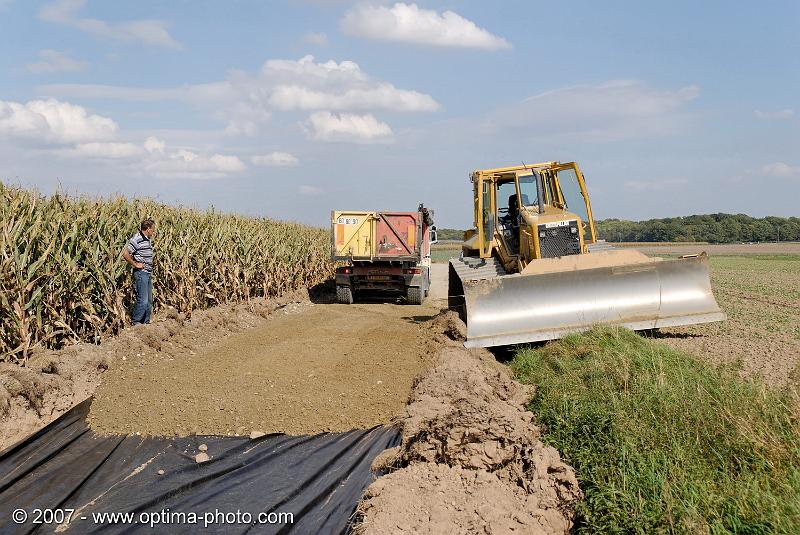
(347, 270)
(412, 271)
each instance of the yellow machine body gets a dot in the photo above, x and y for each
(532, 268)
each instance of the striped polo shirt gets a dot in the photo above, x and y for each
(141, 250)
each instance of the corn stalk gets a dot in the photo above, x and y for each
(62, 278)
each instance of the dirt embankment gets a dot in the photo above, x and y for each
(54, 381)
(470, 460)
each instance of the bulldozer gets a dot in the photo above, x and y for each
(533, 269)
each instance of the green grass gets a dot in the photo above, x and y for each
(663, 443)
(443, 252)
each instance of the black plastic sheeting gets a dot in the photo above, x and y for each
(317, 479)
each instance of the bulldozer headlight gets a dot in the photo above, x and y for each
(574, 230)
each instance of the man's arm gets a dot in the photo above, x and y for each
(128, 258)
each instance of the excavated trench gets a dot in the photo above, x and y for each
(470, 458)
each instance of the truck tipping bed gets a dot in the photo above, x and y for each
(374, 236)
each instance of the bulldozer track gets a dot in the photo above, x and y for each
(471, 268)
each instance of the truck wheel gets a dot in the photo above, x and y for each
(414, 295)
(344, 295)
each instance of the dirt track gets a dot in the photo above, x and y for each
(308, 368)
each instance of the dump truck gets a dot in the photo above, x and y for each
(532, 268)
(385, 252)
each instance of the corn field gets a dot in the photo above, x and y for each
(62, 278)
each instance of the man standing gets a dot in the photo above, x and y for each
(139, 254)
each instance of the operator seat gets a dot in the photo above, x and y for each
(513, 210)
(512, 239)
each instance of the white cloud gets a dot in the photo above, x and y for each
(154, 158)
(787, 113)
(656, 185)
(184, 163)
(248, 100)
(104, 150)
(326, 126)
(69, 131)
(154, 145)
(318, 39)
(381, 97)
(275, 159)
(612, 110)
(150, 32)
(407, 23)
(55, 61)
(310, 190)
(780, 170)
(308, 71)
(52, 121)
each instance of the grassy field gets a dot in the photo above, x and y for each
(693, 431)
(759, 289)
(443, 251)
(761, 296)
(662, 442)
(62, 278)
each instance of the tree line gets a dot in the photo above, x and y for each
(711, 228)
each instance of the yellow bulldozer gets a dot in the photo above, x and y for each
(532, 269)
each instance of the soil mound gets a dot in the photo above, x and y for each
(450, 325)
(443, 499)
(470, 457)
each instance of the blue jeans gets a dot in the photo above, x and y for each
(144, 296)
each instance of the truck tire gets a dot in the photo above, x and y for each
(344, 295)
(414, 295)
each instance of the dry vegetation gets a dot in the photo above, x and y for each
(62, 280)
(761, 295)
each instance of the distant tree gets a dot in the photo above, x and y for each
(449, 234)
(714, 228)
(731, 230)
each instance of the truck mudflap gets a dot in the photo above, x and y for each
(501, 309)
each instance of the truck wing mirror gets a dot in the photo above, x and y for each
(433, 237)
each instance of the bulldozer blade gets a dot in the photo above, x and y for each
(514, 309)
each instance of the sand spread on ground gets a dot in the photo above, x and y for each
(308, 368)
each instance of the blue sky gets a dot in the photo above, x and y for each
(293, 108)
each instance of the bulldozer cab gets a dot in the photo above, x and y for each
(515, 205)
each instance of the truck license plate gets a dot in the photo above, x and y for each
(379, 278)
